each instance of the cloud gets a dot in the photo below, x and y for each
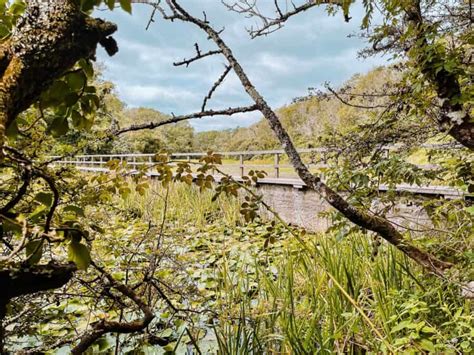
(283, 64)
(152, 94)
(223, 122)
(312, 48)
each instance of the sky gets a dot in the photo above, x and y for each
(312, 48)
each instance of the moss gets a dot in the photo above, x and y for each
(48, 40)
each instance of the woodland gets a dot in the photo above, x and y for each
(119, 263)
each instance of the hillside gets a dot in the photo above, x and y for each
(307, 118)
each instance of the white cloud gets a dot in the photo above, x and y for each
(283, 64)
(223, 122)
(312, 48)
(154, 93)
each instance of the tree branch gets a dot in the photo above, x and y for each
(376, 224)
(214, 87)
(104, 326)
(273, 24)
(151, 125)
(198, 56)
(26, 178)
(17, 281)
(453, 117)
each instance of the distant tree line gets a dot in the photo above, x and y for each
(308, 119)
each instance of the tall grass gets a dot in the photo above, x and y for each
(184, 204)
(310, 293)
(332, 297)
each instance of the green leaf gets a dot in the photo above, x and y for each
(470, 210)
(87, 5)
(59, 126)
(102, 344)
(87, 66)
(76, 119)
(4, 31)
(34, 251)
(17, 8)
(169, 347)
(77, 210)
(12, 130)
(76, 80)
(71, 98)
(427, 329)
(126, 5)
(38, 212)
(11, 227)
(55, 94)
(111, 4)
(400, 326)
(46, 198)
(427, 345)
(79, 254)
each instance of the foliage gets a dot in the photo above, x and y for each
(242, 287)
(196, 255)
(173, 138)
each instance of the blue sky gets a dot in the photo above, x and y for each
(312, 48)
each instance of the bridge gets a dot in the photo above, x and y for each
(282, 188)
(239, 162)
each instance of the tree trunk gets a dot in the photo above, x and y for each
(19, 280)
(48, 39)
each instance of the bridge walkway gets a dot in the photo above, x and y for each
(283, 174)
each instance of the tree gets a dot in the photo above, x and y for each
(44, 43)
(45, 84)
(41, 42)
(173, 138)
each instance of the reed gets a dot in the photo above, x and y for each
(313, 293)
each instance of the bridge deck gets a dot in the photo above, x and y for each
(446, 191)
(283, 174)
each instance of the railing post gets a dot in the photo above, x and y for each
(150, 164)
(277, 165)
(241, 162)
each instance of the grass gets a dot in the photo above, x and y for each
(280, 291)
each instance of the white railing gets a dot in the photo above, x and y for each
(283, 173)
(317, 160)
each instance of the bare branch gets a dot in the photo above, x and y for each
(26, 178)
(22, 159)
(19, 247)
(199, 55)
(214, 87)
(105, 326)
(346, 102)
(151, 125)
(269, 24)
